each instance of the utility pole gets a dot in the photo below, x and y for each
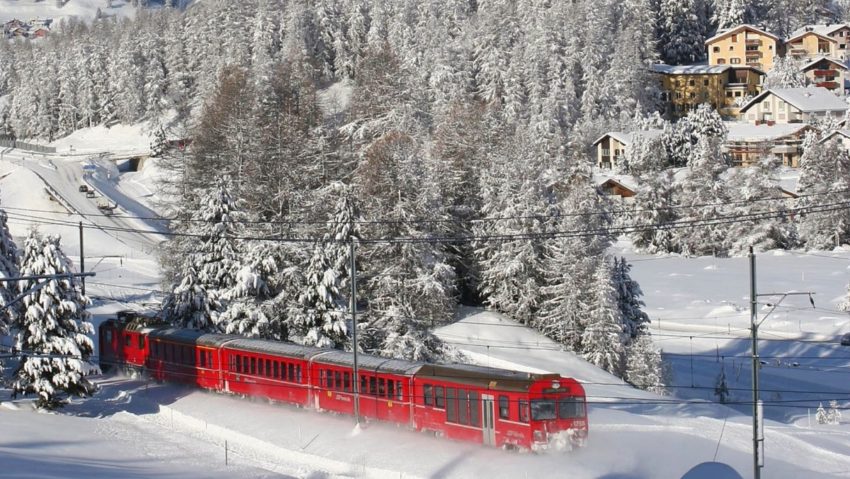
(353, 278)
(758, 409)
(82, 262)
(754, 330)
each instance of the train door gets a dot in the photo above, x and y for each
(488, 420)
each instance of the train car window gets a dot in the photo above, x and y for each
(276, 372)
(462, 406)
(542, 409)
(166, 354)
(154, 352)
(254, 366)
(363, 384)
(390, 389)
(439, 397)
(245, 362)
(210, 358)
(428, 395)
(346, 382)
(474, 409)
(268, 368)
(571, 408)
(382, 387)
(504, 408)
(322, 380)
(451, 405)
(298, 373)
(523, 411)
(292, 372)
(141, 342)
(398, 392)
(127, 340)
(338, 380)
(203, 359)
(373, 385)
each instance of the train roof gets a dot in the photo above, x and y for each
(191, 336)
(367, 362)
(483, 376)
(274, 347)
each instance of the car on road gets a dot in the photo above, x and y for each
(84, 188)
(90, 194)
(845, 340)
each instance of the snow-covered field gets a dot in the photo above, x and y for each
(700, 313)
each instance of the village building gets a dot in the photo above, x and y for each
(813, 41)
(841, 136)
(744, 45)
(747, 144)
(611, 146)
(726, 88)
(827, 73)
(618, 189)
(794, 105)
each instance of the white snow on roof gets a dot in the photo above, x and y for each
(629, 181)
(747, 132)
(844, 133)
(823, 30)
(689, 69)
(816, 60)
(626, 138)
(809, 99)
(729, 31)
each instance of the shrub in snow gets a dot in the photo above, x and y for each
(53, 328)
(821, 416)
(721, 389)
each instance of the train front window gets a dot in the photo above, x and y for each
(542, 409)
(571, 408)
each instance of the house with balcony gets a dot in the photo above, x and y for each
(744, 45)
(611, 147)
(746, 144)
(813, 41)
(827, 73)
(793, 105)
(724, 87)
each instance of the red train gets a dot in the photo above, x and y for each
(495, 407)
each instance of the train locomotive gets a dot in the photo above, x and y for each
(490, 406)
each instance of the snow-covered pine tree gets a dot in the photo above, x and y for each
(644, 365)
(212, 259)
(603, 337)
(654, 207)
(249, 307)
(53, 328)
(8, 269)
(682, 29)
(721, 388)
(761, 200)
(786, 73)
(845, 304)
(821, 416)
(834, 412)
(636, 321)
(321, 315)
(824, 182)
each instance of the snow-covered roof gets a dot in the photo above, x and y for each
(844, 133)
(699, 69)
(749, 133)
(504, 379)
(730, 31)
(820, 30)
(817, 60)
(626, 181)
(626, 138)
(275, 347)
(809, 99)
(190, 336)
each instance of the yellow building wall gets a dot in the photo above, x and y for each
(809, 42)
(729, 50)
(686, 92)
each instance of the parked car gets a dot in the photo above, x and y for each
(90, 193)
(84, 188)
(845, 340)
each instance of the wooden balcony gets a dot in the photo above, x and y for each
(829, 85)
(826, 73)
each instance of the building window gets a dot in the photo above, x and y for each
(737, 94)
(692, 95)
(735, 61)
(716, 49)
(728, 94)
(735, 38)
(721, 61)
(705, 82)
(691, 82)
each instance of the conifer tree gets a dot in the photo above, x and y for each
(682, 29)
(644, 365)
(53, 328)
(602, 340)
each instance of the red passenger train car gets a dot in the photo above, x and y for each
(494, 407)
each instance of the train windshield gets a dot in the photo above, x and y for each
(571, 408)
(542, 409)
